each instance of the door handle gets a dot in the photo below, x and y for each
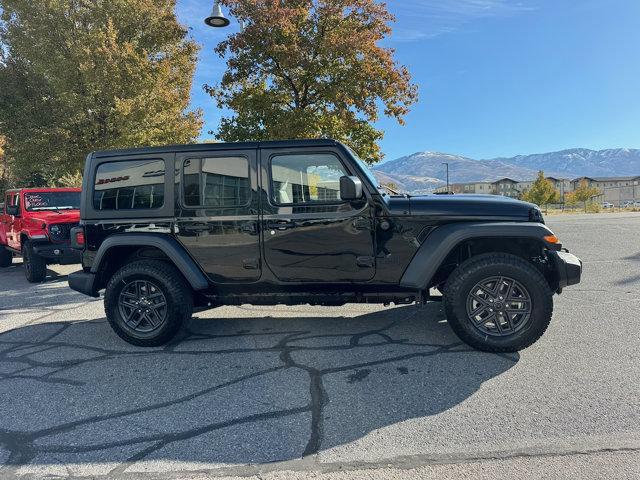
(249, 228)
(195, 228)
(281, 225)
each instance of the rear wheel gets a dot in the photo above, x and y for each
(148, 302)
(6, 257)
(35, 267)
(498, 302)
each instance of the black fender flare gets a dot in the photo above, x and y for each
(441, 242)
(167, 244)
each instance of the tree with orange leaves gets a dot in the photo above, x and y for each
(311, 69)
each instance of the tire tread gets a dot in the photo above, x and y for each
(479, 262)
(179, 294)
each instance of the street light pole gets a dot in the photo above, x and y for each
(445, 163)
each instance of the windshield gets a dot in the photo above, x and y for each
(52, 201)
(365, 169)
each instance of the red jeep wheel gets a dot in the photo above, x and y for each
(6, 257)
(35, 267)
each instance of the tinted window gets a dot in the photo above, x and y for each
(303, 179)
(216, 182)
(34, 201)
(130, 185)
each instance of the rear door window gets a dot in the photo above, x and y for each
(217, 182)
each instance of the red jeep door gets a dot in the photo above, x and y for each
(4, 221)
(14, 223)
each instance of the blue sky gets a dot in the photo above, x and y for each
(496, 77)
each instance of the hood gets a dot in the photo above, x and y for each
(471, 206)
(50, 216)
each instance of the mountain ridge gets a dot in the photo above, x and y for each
(424, 171)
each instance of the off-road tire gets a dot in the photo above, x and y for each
(6, 257)
(169, 280)
(474, 270)
(35, 267)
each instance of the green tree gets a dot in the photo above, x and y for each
(309, 69)
(542, 192)
(570, 199)
(4, 167)
(585, 192)
(80, 75)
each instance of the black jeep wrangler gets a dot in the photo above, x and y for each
(172, 229)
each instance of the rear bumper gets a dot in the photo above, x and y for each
(568, 268)
(61, 254)
(84, 282)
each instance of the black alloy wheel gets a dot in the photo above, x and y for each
(148, 302)
(498, 302)
(143, 306)
(499, 306)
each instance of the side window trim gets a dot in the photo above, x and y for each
(201, 158)
(272, 198)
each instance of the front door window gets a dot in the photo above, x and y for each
(306, 179)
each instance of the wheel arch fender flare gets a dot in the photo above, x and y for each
(444, 239)
(168, 245)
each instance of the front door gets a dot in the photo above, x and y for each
(217, 213)
(14, 223)
(309, 233)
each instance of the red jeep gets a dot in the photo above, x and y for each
(35, 223)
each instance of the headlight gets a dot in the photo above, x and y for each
(55, 230)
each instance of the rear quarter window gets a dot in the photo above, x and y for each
(129, 185)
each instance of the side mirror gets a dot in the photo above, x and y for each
(350, 188)
(13, 210)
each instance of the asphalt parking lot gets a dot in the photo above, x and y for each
(349, 392)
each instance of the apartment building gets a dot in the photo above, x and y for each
(614, 189)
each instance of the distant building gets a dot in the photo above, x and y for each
(616, 190)
(475, 187)
(606, 182)
(507, 187)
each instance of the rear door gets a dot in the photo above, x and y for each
(310, 234)
(217, 209)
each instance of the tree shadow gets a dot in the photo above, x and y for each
(232, 391)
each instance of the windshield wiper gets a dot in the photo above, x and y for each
(390, 189)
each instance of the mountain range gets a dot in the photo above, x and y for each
(422, 172)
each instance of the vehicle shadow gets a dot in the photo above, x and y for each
(244, 390)
(18, 294)
(633, 279)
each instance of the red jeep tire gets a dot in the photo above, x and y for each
(6, 257)
(35, 267)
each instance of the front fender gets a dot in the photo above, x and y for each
(37, 235)
(441, 242)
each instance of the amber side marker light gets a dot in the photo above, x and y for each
(551, 239)
(80, 240)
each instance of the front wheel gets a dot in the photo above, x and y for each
(35, 267)
(148, 302)
(498, 302)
